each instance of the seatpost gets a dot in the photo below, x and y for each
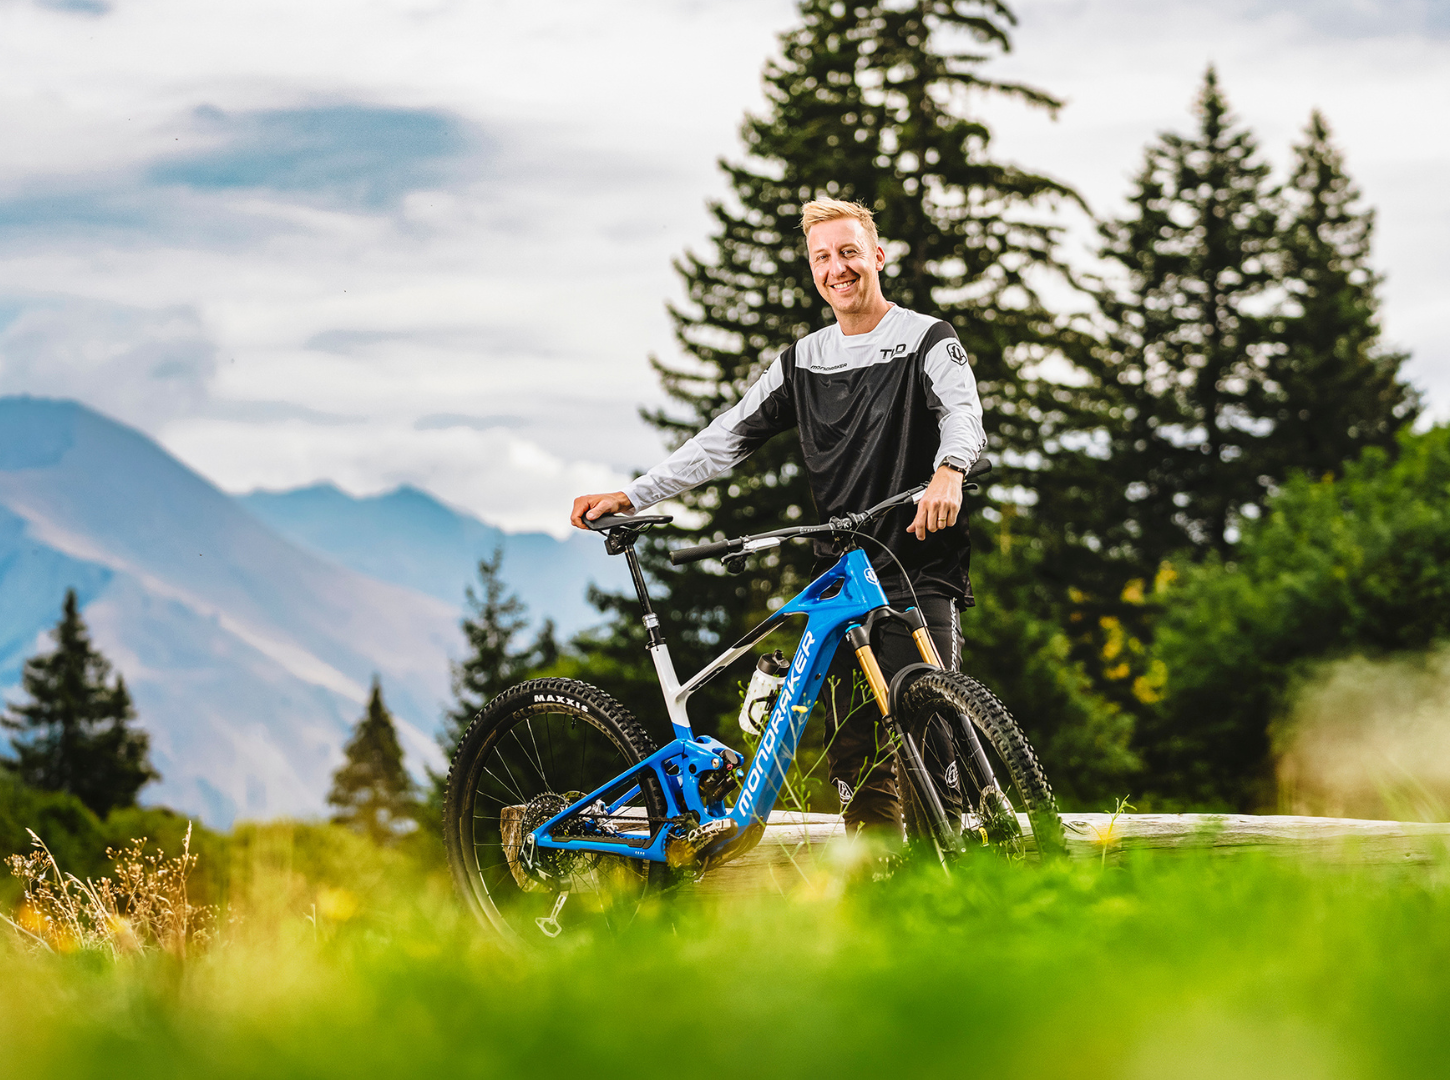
(651, 620)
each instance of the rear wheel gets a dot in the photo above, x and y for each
(534, 750)
(941, 710)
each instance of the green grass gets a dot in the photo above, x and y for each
(1184, 966)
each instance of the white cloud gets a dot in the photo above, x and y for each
(524, 485)
(145, 367)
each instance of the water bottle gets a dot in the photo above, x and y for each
(760, 695)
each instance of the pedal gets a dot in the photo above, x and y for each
(685, 850)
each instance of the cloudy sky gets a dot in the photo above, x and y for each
(429, 241)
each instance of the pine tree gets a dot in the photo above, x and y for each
(1338, 389)
(75, 733)
(871, 103)
(1243, 346)
(495, 661)
(372, 792)
(1184, 384)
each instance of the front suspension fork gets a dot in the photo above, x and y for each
(911, 759)
(908, 753)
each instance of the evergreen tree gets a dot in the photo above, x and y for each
(1338, 389)
(496, 658)
(1184, 380)
(868, 102)
(371, 790)
(1243, 346)
(74, 734)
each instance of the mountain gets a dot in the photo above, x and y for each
(248, 657)
(411, 539)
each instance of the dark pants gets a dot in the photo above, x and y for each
(859, 758)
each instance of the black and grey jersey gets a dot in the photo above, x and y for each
(877, 413)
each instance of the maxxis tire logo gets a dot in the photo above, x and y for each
(557, 699)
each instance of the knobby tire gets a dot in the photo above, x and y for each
(945, 698)
(543, 742)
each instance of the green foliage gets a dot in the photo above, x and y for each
(1017, 643)
(372, 792)
(1184, 966)
(74, 732)
(1359, 564)
(79, 839)
(278, 874)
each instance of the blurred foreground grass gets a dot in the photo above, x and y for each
(336, 959)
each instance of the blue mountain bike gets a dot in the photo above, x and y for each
(557, 796)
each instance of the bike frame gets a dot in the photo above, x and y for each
(838, 602)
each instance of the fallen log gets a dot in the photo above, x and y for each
(794, 843)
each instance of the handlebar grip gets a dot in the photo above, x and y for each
(980, 466)
(681, 556)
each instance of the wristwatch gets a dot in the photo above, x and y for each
(953, 466)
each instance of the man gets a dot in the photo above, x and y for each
(883, 399)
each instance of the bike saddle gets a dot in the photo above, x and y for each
(623, 529)
(641, 521)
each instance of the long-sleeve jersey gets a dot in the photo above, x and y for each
(877, 414)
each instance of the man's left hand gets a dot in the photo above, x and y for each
(940, 503)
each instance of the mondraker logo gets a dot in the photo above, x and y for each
(952, 778)
(770, 741)
(871, 576)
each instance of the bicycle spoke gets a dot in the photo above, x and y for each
(538, 765)
(538, 757)
(504, 761)
(511, 790)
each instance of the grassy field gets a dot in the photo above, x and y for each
(334, 959)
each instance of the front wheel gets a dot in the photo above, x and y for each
(534, 750)
(980, 795)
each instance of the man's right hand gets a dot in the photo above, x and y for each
(591, 507)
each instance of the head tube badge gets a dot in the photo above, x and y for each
(871, 576)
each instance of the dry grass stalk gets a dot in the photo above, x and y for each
(143, 905)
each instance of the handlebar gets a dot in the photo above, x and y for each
(744, 545)
(680, 556)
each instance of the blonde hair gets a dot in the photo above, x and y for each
(828, 209)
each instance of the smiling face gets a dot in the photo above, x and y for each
(847, 269)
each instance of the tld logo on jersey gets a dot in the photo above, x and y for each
(887, 354)
(956, 354)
